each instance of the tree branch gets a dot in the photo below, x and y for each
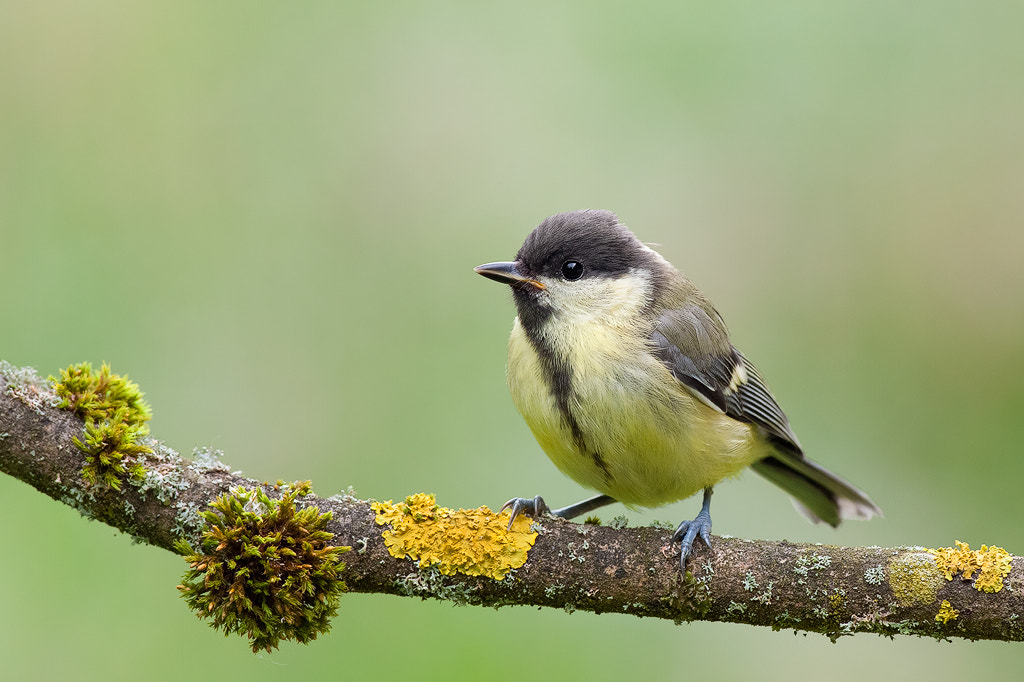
(821, 588)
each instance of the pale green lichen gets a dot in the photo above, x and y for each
(577, 553)
(807, 563)
(79, 498)
(875, 575)
(618, 522)
(163, 476)
(27, 386)
(431, 582)
(208, 460)
(914, 578)
(992, 564)
(697, 589)
(784, 620)
(348, 496)
(766, 596)
(468, 541)
(735, 607)
(188, 521)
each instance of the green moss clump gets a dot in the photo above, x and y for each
(264, 568)
(115, 418)
(110, 448)
(101, 395)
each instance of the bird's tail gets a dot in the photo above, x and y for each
(817, 493)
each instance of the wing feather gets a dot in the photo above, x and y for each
(685, 340)
(718, 374)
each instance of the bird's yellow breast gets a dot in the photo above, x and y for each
(646, 440)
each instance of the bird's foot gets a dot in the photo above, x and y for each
(524, 505)
(688, 531)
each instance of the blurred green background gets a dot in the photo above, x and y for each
(267, 214)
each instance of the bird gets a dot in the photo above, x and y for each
(626, 375)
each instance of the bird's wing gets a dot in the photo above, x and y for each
(694, 345)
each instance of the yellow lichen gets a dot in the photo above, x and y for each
(914, 578)
(946, 613)
(992, 564)
(470, 541)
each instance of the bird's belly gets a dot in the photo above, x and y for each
(641, 436)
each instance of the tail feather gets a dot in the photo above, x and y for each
(818, 494)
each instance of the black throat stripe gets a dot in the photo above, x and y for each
(559, 379)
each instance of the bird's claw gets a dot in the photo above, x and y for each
(524, 505)
(688, 531)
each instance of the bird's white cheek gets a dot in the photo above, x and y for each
(604, 299)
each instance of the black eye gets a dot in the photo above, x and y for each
(572, 270)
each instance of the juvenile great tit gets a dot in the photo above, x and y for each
(624, 372)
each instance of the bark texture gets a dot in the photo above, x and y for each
(822, 588)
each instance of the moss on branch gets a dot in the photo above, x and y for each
(413, 549)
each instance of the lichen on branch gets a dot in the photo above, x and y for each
(468, 541)
(265, 563)
(991, 564)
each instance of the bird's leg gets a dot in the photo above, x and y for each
(574, 510)
(688, 531)
(536, 507)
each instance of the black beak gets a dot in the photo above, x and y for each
(506, 273)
